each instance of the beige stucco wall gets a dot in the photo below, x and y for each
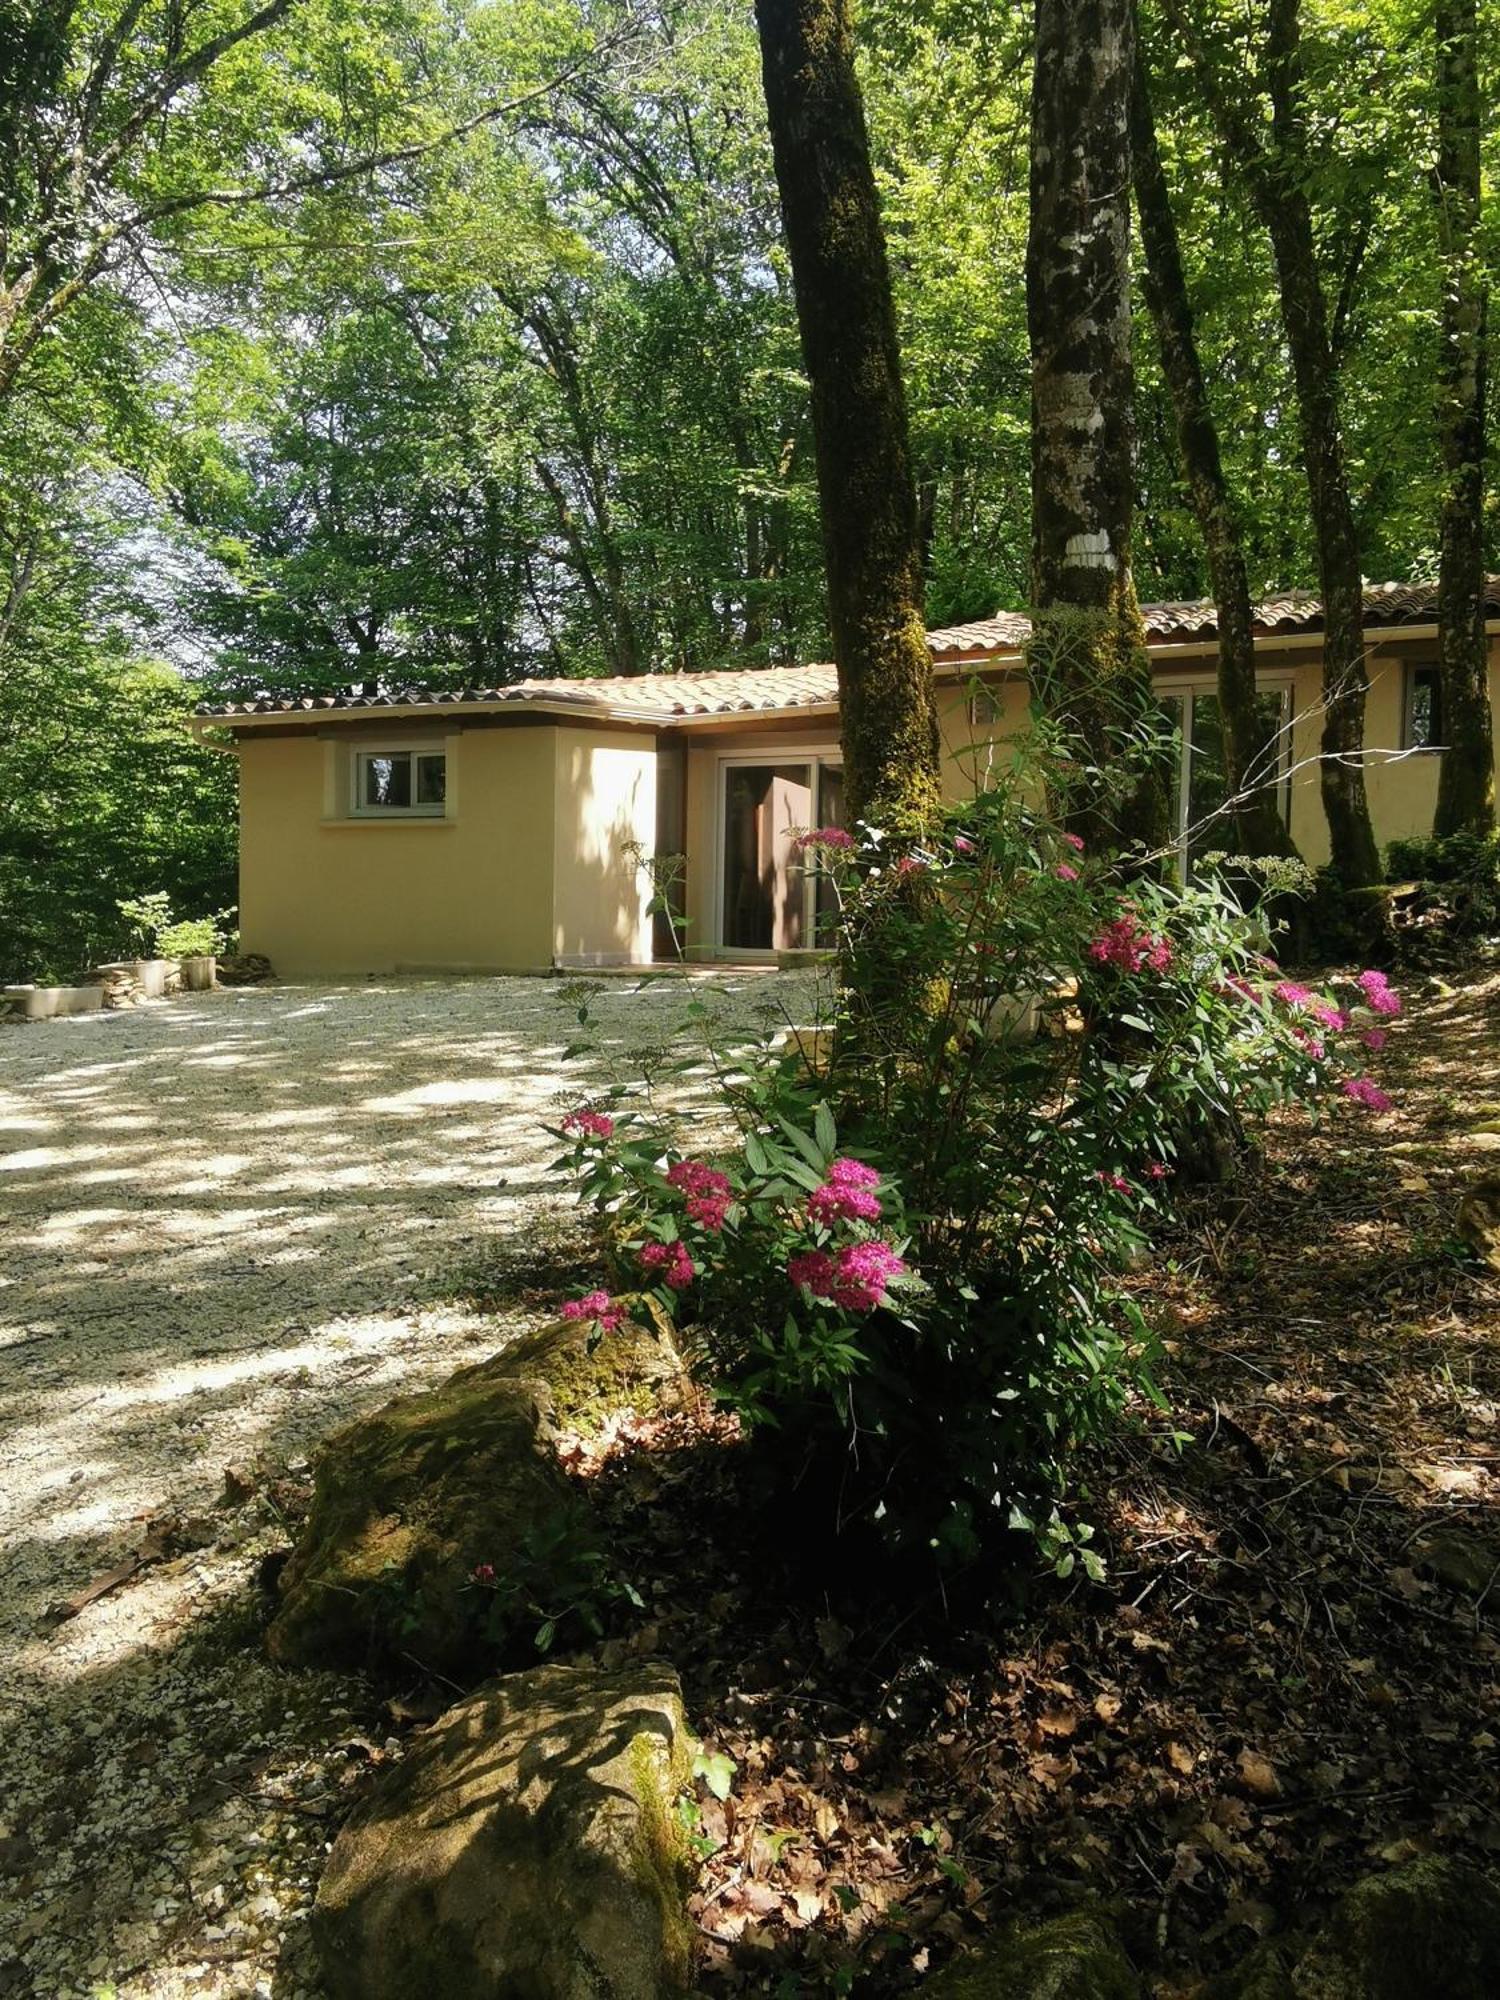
(323, 893)
(605, 804)
(531, 866)
(1402, 790)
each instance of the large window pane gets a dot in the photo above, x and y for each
(1210, 827)
(388, 780)
(432, 780)
(765, 807)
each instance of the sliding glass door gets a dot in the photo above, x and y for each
(1204, 824)
(767, 900)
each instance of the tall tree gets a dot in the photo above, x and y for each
(1277, 170)
(871, 540)
(1088, 653)
(1258, 822)
(1466, 784)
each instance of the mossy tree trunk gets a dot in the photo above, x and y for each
(1466, 784)
(1276, 171)
(1087, 656)
(867, 494)
(1259, 827)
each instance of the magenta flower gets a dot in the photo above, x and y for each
(1363, 1091)
(837, 1200)
(1156, 1171)
(483, 1572)
(672, 1260)
(1116, 1182)
(1329, 1016)
(962, 844)
(909, 865)
(855, 1279)
(1290, 994)
(864, 1270)
(1379, 993)
(1375, 1039)
(1123, 944)
(1073, 841)
(824, 836)
(597, 1306)
(696, 1177)
(1312, 1043)
(708, 1210)
(1064, 873)
(586, 1124)
(848, 1192)
(813, 1269)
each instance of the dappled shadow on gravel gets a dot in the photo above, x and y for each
(227, 1225)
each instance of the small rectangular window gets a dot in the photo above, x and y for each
(986, 706)
(392, 783)
(1424, 709)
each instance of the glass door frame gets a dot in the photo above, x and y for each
(1184, 688)
(815, 756)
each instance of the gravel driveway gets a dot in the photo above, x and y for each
(227, 1223)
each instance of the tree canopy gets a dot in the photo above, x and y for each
(452, 342)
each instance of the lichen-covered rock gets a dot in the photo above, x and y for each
(1428, 1931)
(637, 1367)
(407, 1503)
(526, 1846)
(1076, 1957)
(410, 1501)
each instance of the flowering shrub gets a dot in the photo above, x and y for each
(908, 1262)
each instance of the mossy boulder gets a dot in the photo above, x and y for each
(1077, 1957)
(636, 1368)
(407, 1503)
(410, 1501)
(527, 1845)
(1426, 1930)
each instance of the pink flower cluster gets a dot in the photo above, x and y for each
(586, 1124)
(854, 1278)
(673, 1261)
(847, 1192)
(825, 836)
(483, 1573)
(1124, 944)
(1116, 1182)
(909, 864)
(1375, 1039)
(962, 844)
(597, 1306)
(1073, 841)
(1290, 994)
(1379, 993)
(1064, 873)
(708, 1192)
(1363, 1091)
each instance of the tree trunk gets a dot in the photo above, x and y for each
(1466, 783)
(1251, 786)
(1276, 175)
(867, 497)
(1087, 656)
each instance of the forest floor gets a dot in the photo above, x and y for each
(1291, 1676)
(231, 1224)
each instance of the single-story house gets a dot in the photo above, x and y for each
(503, 829)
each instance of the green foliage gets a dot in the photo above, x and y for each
(1024, 1049)
(162, 935)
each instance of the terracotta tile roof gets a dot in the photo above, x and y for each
(669, 698)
